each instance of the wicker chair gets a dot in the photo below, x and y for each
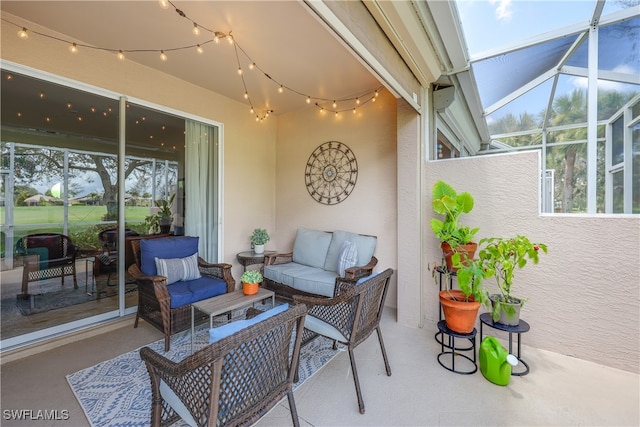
(107, 262)
(234, 381)
(46, 255)
(154, 301)
(350, 317)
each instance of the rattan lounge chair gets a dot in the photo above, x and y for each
(350, 317)
(232, 382)
(154, 299)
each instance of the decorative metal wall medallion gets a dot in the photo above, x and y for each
(331, 173)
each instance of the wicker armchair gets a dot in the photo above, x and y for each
(46, 255)
(350, 317)
(232, 382)
(154, 301)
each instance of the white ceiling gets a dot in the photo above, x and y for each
(283, 38)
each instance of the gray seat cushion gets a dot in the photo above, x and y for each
(302, 277)
(310, 247)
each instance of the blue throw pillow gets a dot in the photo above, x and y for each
(178, 269)
(164, 248)
(347, 257)
(216, 334)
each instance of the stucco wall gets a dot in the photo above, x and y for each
(584, 295)
(249, 147)
(371, 207)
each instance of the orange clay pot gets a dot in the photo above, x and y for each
(459, 314)
(250, 288)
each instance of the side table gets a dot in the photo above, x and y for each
(521, 328)
(471, 336)
(247, 258)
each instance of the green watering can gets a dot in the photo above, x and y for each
(495, 361)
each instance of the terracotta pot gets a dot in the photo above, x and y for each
(459, 314)
(467, 252)
(250, 288)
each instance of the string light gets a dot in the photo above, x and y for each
(216, 36)
(42, 95)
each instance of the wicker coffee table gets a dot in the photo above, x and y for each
(226, 303)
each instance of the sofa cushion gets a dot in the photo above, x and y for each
(183, 293)
(178, 269)
(318, 281)
(166, 247)
(366, 246)
(310, 248)
(285, 273)
(347, 257)
(216, 334)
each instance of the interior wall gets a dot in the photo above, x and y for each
(249, 179)
(371, 208)
(583, 297)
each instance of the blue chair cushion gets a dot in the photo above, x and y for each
(183, 293)
(216, 334)
(167, 247)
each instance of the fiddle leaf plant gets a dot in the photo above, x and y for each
(446, 201)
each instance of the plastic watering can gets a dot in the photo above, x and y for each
(495, 361)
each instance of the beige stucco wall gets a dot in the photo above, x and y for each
(249, 147)
(371, 207)
(584, 295)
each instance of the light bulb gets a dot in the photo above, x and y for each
(47, 119)
(216, 39)
(164, 4)
(23, 34)
(121, 55)
(199, 49)
(252, 110)
(334, 104)
(42, 95)
(163, 56)
(196, 29)
(93, 109)
(336, 114)
(308, 100)
(69, 105)
(230, 39)
(280, 89)
(252, 65)
(246, 95)
(376, 95)
(257, 119)
(373, 99)
(358, 101)
(239, 71)
(73, 48)
(354, 110)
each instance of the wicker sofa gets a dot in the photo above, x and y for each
(319, 258)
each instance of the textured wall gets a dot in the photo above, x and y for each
(584, 295)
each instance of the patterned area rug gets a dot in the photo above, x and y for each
(117, 392)
(50, 295)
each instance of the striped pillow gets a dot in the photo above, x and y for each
(177, 269)
(347, 257)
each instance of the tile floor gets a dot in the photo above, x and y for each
(559, 391)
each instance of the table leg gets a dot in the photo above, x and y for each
(193, 327)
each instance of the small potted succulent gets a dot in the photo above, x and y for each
(251, 281)
(499, 257)
(454, 237)
(258, 240)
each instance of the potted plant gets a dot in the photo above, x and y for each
(499, 257)
(258, 240)
(455, 238)
(162, 219)
(460, 306)
(250, 282)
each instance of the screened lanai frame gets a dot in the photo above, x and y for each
(604, 49)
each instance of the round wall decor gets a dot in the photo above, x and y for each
(331, 173)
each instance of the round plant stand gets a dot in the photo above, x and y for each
(457, 352)
(521, 328)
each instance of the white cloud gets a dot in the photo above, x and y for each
(503, 11)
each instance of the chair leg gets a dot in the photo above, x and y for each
(292, 408)
(356, 381)
(384, 352)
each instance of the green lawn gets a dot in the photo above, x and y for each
(24, 215)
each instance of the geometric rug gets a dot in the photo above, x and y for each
(117, 392)
(50, 295)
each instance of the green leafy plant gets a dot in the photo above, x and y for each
(259, 236)
(446, 201)
(163, 216)
(251, 276)
(500, 257)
